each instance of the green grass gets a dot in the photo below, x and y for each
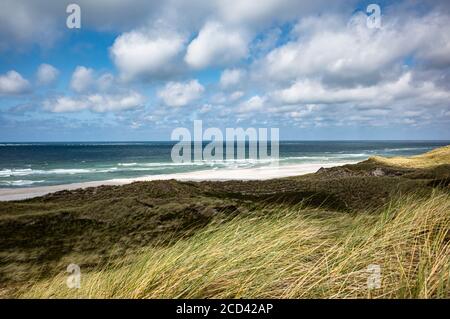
(290, 252)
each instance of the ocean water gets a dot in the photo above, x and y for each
(43, 164)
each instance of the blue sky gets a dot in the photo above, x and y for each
(138, 70)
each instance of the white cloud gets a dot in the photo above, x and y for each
(435, 48)
(305, 111)
(88, 80)
(236, 95)
(206, 108)
(405, 100)
(43, 22)
(253, 104)
(314, 92)
(264, 12)
(231, 77)
(106, 103)
(178, 94)
(25, 23)
(329, 60)
(82, 79)
(47, 74)
(348, 52)
(138, 54)
(13, 83)
(95, 102)
(105, 81)
(39, 22)
(216, 45)
(65, 104)
(251, 11)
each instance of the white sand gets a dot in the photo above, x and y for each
(261, 173)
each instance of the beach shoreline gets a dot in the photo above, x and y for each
(260, 173)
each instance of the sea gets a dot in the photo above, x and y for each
(45, 164)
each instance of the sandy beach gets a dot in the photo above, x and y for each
(261, 173)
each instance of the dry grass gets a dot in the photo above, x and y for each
(438, 156)
(290, 253)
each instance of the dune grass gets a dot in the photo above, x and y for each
(290, 252)
(438, 156)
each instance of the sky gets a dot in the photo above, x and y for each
(136, 70)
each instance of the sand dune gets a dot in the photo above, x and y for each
(260, 173)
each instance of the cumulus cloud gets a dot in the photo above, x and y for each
(306, 61)
(231, 77)
(105, 81)
(216, 45)
(139, 54)
(334, 71)
(106, 103)
(42, 22)
(434, 50)
(255, 103)
(236, 95)
(82, 79)
(390, 102)
(39, 22)
(349, 52)
(178, 94)
(95, 102)
(262, 13)
(85, 80)
(313, 91)
(23, 23)
(46, 74)
(12, 83)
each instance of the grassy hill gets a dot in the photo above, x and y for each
(305, 236)
(439, 156)
(287, 252)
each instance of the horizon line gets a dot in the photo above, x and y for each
(281, 140)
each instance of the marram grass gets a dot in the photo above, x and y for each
(438, 156)
(289, 253)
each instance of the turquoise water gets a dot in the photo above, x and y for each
(42, 164)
